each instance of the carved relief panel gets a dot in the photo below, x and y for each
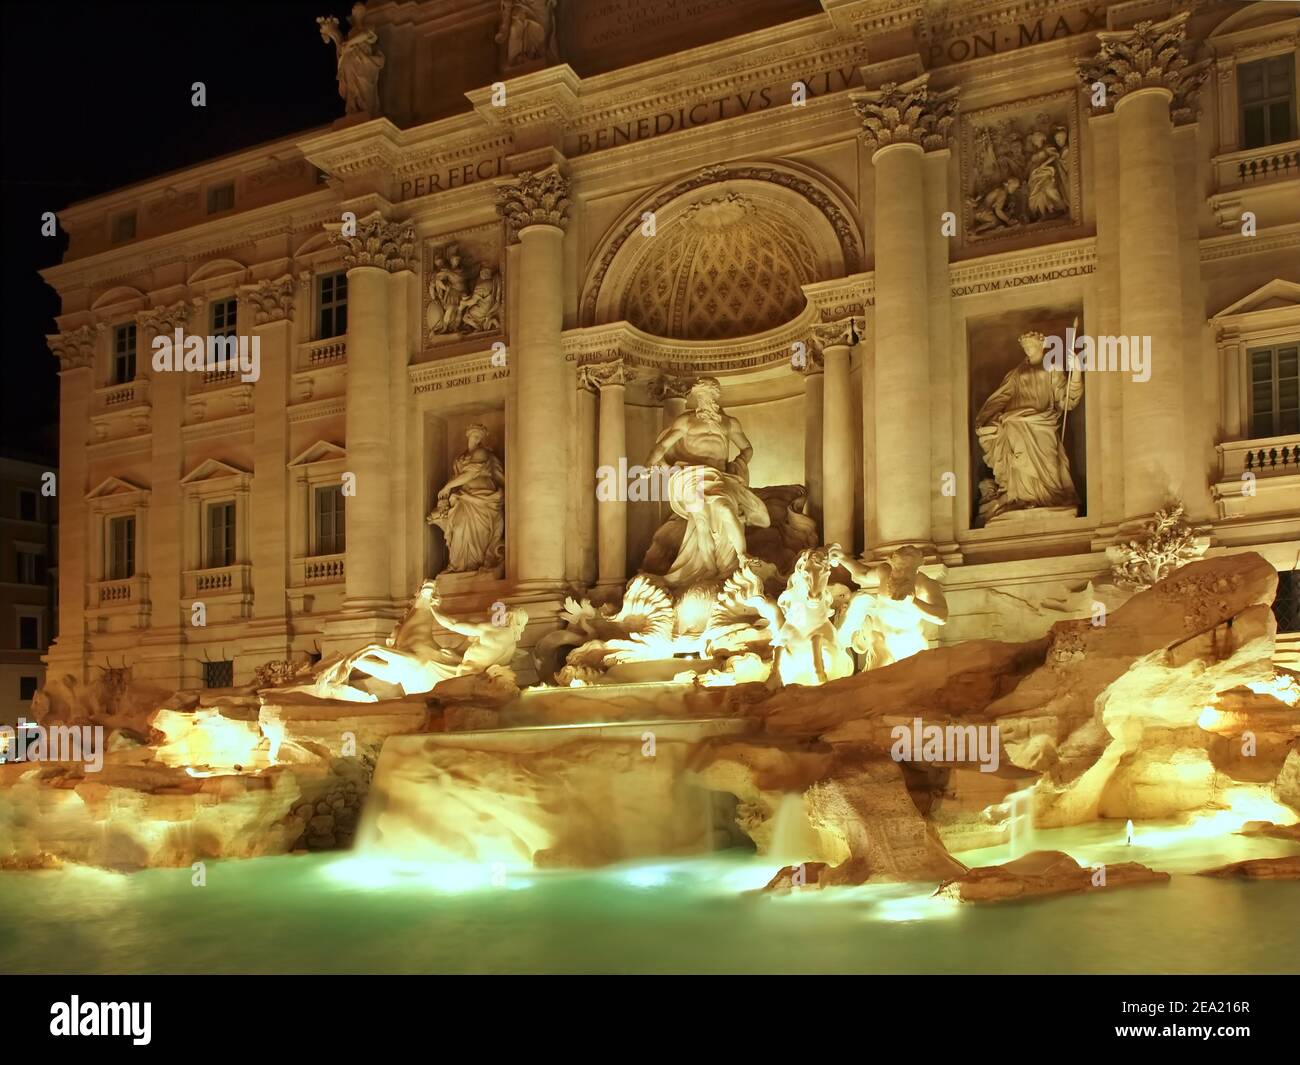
(1020, 168)
(463, 288)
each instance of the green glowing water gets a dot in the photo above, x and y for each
(341, 914)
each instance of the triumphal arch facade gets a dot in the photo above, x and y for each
(594, 305)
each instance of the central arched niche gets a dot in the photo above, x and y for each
(727, 259)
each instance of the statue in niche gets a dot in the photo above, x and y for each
(527, 29)
(413, 660)
(1021, 176)
(1019, 429)
(883, 621)
(470, 507)
(359, 61)
(709, 491)
(463, 300)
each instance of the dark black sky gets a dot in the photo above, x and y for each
(97, 96)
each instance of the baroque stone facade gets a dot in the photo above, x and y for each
(848, 212)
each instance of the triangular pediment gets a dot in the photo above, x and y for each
(1277, 295)
(321, 451)
(1253, 16)
(212, 470)
(113, 486)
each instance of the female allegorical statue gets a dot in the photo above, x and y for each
(470, 510)
(359, 61)
(1019, 431)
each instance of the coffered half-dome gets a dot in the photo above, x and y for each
(725, 267)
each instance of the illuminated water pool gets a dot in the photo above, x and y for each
(344, 913)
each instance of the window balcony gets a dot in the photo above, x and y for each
(219, 582)
(332, 351)
(123, 592)
(1257, 166)
(1260, 476)
(320, 569)
(122, 397)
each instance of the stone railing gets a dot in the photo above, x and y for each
(216, 581)
(115, 593)
(1264, 457)
(323, 569)
(1254, 166)
(122, 397)
(318, 353)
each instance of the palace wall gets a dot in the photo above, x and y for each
(648, 212)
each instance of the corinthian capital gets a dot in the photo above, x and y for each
(540, 199)
(666, 387)
(842, 333)
(906, 114)
(157, 320)
(378, 242)
(604, 374)
(272, 301)
(1150, 55)
(74, 350)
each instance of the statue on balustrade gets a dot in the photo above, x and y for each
(359, 61)
(415, 661)
(708, 490)
(884, 620)
(1019, 429)
(471, 508)
(527, 29)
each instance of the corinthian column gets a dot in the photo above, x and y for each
(611, 454)
(835, 339)
(75, 351)
(162, 648)
(1150, 83)
(900, 124)
(535, 209)
(814, 392)
(378, 248)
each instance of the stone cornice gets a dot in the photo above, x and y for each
(1272, 239)
(991, 273)
(546, 97)
(439, 373)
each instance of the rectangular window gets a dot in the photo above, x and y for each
(329, 520)
(124, 227)
(124, 354)
(1286, 604)
(1266, 96)
(26, 688)
(28, 505)
(29, 633)
(221, 198)
(1274, 391)
(218, 674)
(225, 314)
(121, 548)
(30, 568)
(221, 534)
(332, 301)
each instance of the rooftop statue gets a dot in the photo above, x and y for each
(528, 31)
(359, 61)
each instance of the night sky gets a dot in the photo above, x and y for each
(97, 96)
